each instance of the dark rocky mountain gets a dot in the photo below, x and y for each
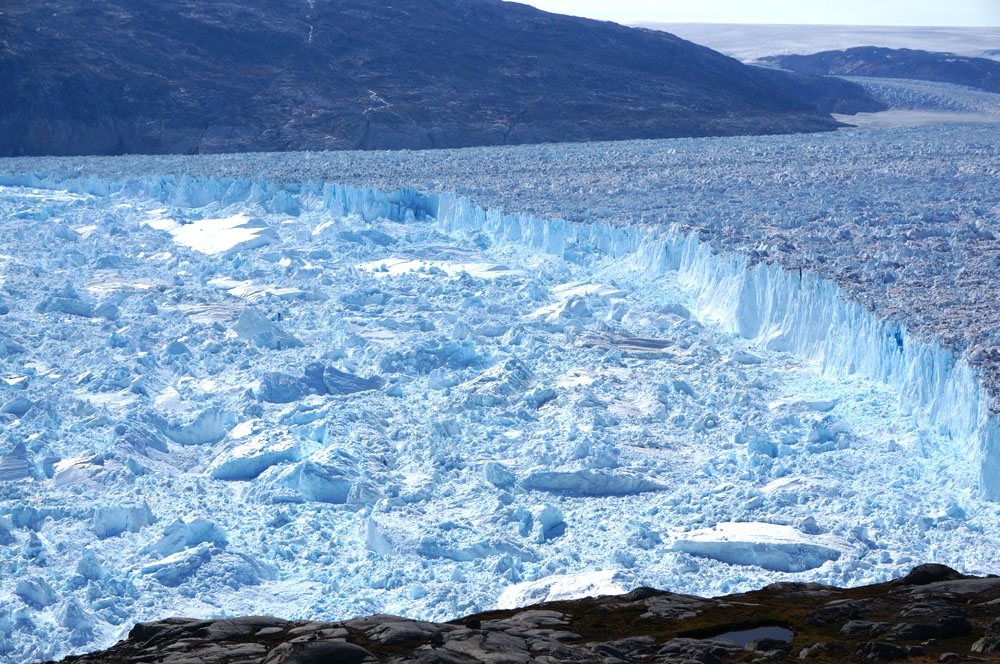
(188, 76)
(933, 614)
(878, 62)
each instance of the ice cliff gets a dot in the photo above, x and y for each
(780, 309)
(235, 395)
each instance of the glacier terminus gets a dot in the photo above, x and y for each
(434, 383)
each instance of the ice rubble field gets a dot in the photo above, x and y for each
(225, 410)
(222, 396)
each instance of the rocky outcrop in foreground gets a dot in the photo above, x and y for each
(934, 614)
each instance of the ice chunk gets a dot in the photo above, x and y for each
(791, 490)
(247, 461)
(17, 406)
(277, 387)
(14, 465)
(371, 235)
(90, 566)
(460, 330)
(588, 483)
(498, 474)
(683, 387)
(549, 524)
(429, 356)
(235, 569)
(188, 532)
(255, 328)
(562, 587)
(208, 426)
(116, 519)
(430, 547)
(539, 396)
(34, 548)
(65, 305)
(587, 289)
(743, 357)
(177, 348)
(140, 438)
(341, 382)
(398, 266)
(6, 537)
(497, 384)
(809, 526)
(36, 592)
(573, 308)
(327, 477)
(172, 570)
(254, 292)
(771, 546)
(762, 446)
(650, 349)
(108, 310)
(376, 539)
(77, 621)
(9, 347)
(97, 468)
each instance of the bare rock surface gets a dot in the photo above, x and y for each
(354, 74)
(776, 624)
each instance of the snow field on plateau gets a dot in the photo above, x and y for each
(224, 397)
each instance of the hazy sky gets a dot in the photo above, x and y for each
(848, 12)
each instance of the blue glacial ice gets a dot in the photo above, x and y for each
(327, 401)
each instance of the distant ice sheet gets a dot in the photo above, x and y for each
(908, 118)
(915, 103)
(750, 42)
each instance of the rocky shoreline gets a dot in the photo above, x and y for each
(934, 614)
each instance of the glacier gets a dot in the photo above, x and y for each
(782, 310)
(404, 400)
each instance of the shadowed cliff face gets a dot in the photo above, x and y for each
(933, 614)
(186, 76)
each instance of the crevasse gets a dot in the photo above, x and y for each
(781, 309)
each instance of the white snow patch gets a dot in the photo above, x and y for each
(216, 236)
(565, 587)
